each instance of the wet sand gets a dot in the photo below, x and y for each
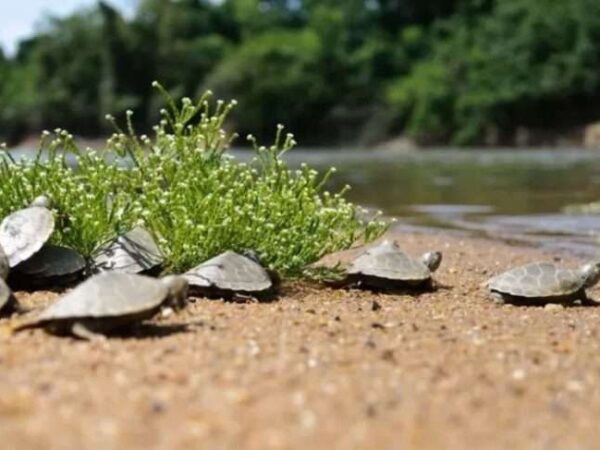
(320, 369)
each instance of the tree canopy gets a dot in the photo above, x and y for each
(334, 71)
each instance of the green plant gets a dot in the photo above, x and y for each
(182, 185)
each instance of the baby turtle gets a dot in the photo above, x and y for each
(543, 282)
(51, 266)
(386, 266)
(24, 232)
(109, 301)
(133, 252)
(4, 266)
(230, 274)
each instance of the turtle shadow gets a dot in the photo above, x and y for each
(566, 303)
(150, 331)
(386, 288)
(396, 291)
(211, 295)
(56, 285)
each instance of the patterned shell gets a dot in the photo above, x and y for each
(110, 294)
(387, 261)
(52, 261)
(24, 232)
(230, 271)
(4, 267)
(537, 280)
(134, 252)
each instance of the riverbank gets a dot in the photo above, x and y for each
(320, 368)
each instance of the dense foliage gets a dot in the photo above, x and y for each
(462, 71)
(183, 186)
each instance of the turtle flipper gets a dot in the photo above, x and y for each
(496, 297)
(81, 331)
(585, 300)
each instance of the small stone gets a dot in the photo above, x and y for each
(574, 386)
(312, 363)
(554, 307)
(518, 374)
(158, 407)
(308, 419)
(166, 312)
(253, 348)
(388, 355)
(375, 306)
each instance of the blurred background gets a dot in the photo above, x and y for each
(464, 78)
(336, 72)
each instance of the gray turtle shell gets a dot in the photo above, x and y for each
(537, 280)
(24, 232)
(52, 261)
(4, 266)
(387, 261)
(133, 252)
(107, 295)
(230, 271)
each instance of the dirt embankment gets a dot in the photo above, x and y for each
(319, 368)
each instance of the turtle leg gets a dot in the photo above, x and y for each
(81, 331)
(496, 297)
(585, 300)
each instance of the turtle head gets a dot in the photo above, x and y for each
(43, 201)
(178, 290)
(590, 273)
(388, 243)
(432, 260)
(252, 254)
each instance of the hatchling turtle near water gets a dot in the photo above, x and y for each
(109, 301)
(386, 266)
(230, 274)
(133, 252)
(24, 232)
(543, 282)
(51, 266)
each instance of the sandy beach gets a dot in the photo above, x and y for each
(320, 369)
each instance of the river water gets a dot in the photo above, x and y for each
(512, 195)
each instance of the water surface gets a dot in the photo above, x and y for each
(513, 195)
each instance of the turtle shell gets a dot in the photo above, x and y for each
(230, 271)
(107, 295)
(52, 261)
(133, 252)
(24, 232)
(387, 261)
(4, 267)
(537, 280)
(50, 266)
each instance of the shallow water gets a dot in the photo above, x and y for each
(506, 194)
(512, 195)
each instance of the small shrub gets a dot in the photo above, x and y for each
(183, 186)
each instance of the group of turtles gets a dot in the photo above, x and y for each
(120, 290)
